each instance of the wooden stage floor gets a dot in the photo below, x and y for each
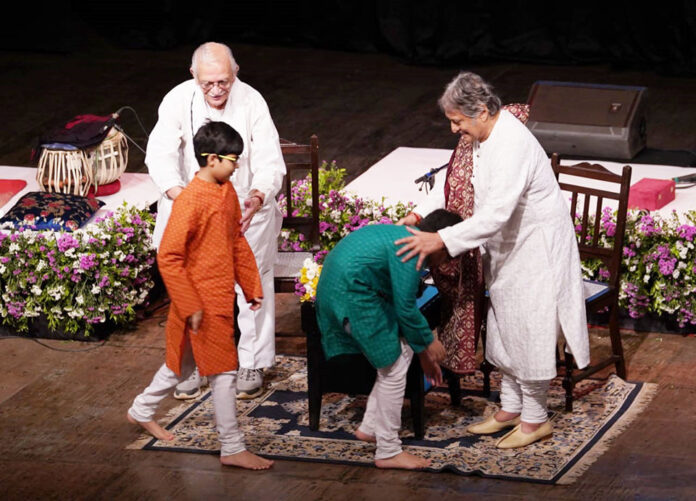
(63, 432)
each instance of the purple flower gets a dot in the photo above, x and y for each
(667, 265)
(67, 241)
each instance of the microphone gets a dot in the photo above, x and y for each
(427, 177)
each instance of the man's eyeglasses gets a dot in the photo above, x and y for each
(231, 158)
(222, 84)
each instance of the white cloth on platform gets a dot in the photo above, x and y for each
(171, 162)
(382, 417)
(529, 249)
(526, 397)
(224, 390)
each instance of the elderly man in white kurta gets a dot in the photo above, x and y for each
(530, 256)
(215, 93)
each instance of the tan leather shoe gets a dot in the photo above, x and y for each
(491, 425)
(516, 438)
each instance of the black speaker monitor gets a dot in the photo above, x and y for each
(589, 120)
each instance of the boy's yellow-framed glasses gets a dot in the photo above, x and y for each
(231, 158)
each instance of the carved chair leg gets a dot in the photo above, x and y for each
(454, 386)
(486, 368)
(616, 345)
(568, 383)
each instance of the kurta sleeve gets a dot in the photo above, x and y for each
(245, 270)
(162, 157)
(172, 255)
(265, 158)
(508, 170)
(412, 324)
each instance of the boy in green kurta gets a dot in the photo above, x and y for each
(366, 303)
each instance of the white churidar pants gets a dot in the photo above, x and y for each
(224, 390)
(383, 412)
(256, 348)
(525, 397)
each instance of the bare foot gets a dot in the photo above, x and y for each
(152, 428)
(502, 416)
(246, 459)
(403, 461)
(365, 437)
(529, 427)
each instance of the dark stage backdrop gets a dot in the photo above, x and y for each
(661, 36)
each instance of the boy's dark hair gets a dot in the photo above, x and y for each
(437, 220)
(218, 138)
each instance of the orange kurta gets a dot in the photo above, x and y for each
(201, 257)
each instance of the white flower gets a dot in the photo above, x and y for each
(95, 289)
(36, 290)
(675, 274)
(42, 264)
(2, 269)
(14, 247)
(70, 252)
(646, 278)
(79, 299)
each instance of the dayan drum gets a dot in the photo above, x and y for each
(109, 159)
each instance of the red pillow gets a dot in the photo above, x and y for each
(105, 189)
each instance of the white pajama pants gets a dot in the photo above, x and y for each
(256, 347)
(525, 397)
(223, 387)
(383, 412)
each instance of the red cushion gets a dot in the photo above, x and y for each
(105, 189)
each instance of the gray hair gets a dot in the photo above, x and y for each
(468, 94)
(207, 52)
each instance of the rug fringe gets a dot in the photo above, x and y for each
(643, 399)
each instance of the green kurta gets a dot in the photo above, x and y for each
(364, 281)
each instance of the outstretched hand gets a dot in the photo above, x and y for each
(431, 368)
(255, 304)
(421, 244)
(251, 206)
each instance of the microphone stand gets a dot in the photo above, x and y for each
(427, 180)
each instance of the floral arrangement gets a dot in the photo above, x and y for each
(306, 286)
(80, 279)
(339, 214)
(658, 266)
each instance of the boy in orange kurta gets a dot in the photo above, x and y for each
(201, 257)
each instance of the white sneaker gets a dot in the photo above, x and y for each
(249, 383)
(190, 388)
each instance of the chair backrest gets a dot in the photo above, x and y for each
(614, 187)
(302, 158)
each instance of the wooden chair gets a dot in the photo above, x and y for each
(605, 295)
(300, 158)
(353, 374)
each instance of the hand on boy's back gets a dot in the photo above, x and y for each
(255, 304)
(194, 321)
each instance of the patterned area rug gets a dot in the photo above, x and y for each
(276, 425)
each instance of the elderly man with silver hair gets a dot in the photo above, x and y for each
(531, 263)
(215, 93)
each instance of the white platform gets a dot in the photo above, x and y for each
(136, 189)
(393, 177)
